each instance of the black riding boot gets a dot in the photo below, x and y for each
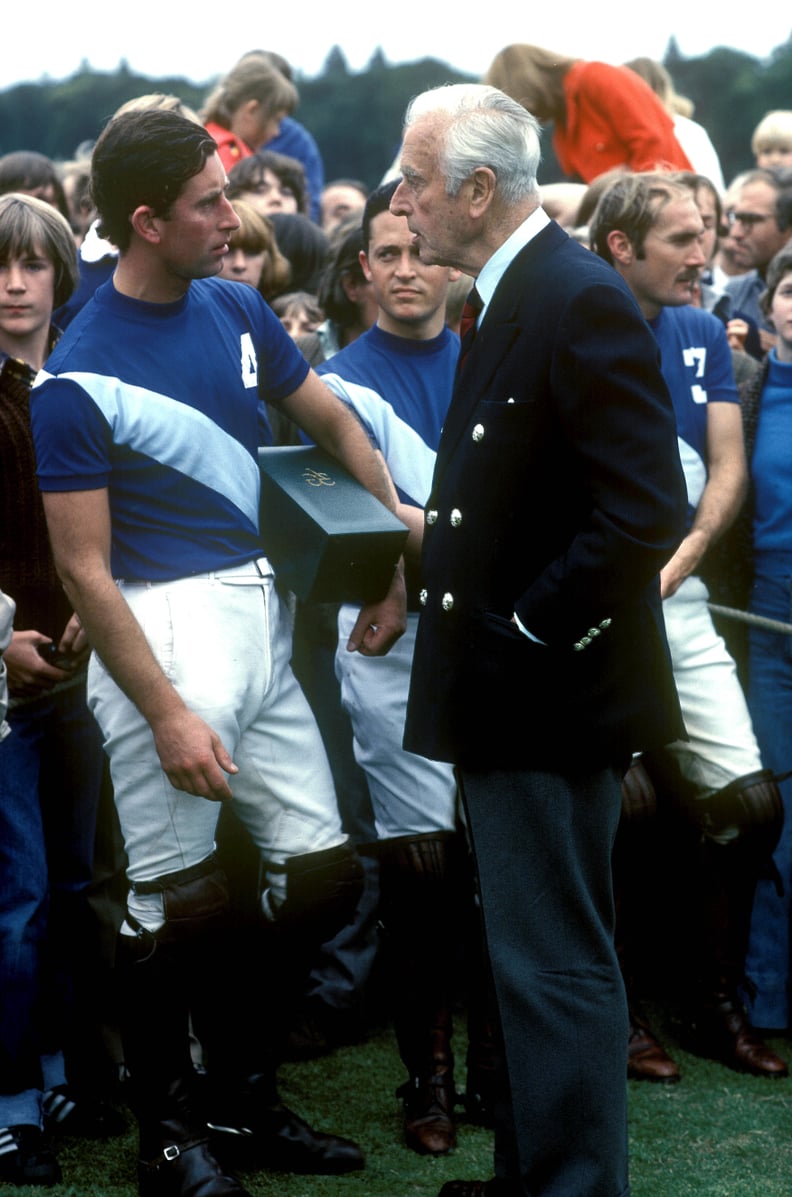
(240, 1015)
(175, 1160)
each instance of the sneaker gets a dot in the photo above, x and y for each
(85, 1117)
(25, 1158)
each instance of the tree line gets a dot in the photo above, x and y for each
(356, 117)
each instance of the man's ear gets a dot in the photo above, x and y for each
(453, 274)
(482, 190)
(621, 247)
(364, 264)
(146, 224)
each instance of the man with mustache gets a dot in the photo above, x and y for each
(650, 230)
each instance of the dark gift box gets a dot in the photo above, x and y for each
(329, 539)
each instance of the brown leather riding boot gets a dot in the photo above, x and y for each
(419, 880)
(722, 1031)
(429, 1099)
(720, 1027)
(647, 1059)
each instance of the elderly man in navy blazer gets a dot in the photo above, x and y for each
(541, 664)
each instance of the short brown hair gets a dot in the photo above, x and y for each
(144, 157)
(632, 205)
(248, 174)
(29, 225)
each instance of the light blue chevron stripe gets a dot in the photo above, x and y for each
(175, 435)
(409, 459)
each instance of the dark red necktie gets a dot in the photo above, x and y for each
(467, 325)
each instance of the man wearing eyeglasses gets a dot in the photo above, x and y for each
(761, 224)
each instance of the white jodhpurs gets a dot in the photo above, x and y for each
(224, 640)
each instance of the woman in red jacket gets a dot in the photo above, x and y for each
(604, 116)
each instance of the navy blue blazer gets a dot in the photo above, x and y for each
(558, 495)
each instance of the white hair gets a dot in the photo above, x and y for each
(482, 126)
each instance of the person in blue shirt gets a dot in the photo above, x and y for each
(651, 231)
(768, 427)
(146, 430)
(398, 378)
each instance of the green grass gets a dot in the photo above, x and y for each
(716, 1134)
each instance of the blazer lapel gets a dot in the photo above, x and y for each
(499, 329)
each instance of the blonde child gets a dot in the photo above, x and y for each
(772, 139)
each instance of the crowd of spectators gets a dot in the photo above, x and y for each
(302, 244)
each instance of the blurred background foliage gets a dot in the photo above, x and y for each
(356, 117)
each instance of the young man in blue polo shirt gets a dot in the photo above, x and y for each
(145, 423)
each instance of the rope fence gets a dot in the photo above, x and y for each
(755, 621)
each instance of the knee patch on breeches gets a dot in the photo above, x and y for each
(639, 799)
(748, 811)
(422, 873)
(321, 892)
(195, 901)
